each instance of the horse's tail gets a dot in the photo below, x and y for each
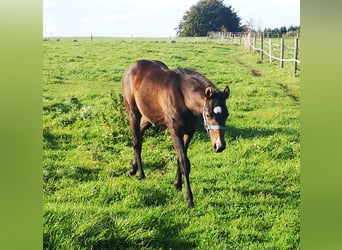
(127, 85)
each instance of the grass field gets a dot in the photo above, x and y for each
(246, 197)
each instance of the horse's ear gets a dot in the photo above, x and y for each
(208, 92)
(226, 92)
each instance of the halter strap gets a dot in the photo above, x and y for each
(208, 126)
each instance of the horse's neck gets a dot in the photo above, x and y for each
(194, 100)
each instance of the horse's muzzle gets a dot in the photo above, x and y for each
(219, 146)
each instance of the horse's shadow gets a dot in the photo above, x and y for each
(234, 132)
(166, 230)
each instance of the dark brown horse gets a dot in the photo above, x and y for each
(155, 95)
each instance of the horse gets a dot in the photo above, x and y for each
(155, 95)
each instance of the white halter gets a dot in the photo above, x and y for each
(207, 126)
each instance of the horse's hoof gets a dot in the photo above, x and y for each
(191, 204)
(141, 177)
(131, 172)
(178, 186)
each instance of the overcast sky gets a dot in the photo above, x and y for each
(151, 18)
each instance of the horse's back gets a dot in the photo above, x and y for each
(140, 68)
(161, 64)
(146, 74)
(151, 88)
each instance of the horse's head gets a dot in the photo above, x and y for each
(215, 114)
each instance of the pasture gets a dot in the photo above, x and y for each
(246, 197)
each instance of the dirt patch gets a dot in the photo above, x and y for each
(254, 71)
(289, 92)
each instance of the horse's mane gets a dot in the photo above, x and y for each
(199, 81)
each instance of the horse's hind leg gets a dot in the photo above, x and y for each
(134, 122)
(138, 127)
(144, 125)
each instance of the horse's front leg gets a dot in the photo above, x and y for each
(183, 165)
(186, 140)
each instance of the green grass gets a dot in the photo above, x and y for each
(246, 197)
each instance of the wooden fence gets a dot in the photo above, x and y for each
(274, 51)
(273, 48)
(236, 38)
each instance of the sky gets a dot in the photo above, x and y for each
(152, 18)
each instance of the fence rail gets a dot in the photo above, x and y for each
(231, 37)
(266, 47)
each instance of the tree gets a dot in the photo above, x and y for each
(249, 26)
(283, 30)
(206, 16)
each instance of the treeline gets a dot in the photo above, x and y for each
(292, 31)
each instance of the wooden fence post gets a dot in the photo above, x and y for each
(295, 55)
(282, 53)
(262, 46)
(247, 41)
(254, 43)
(270, 48)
